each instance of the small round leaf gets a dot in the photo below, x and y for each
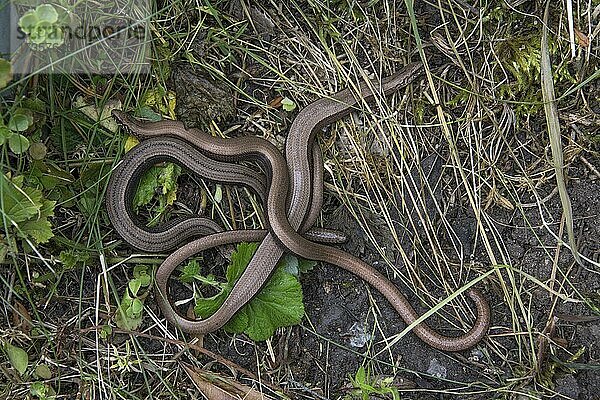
(18, 143)
(28, 21)
(19, 122)
(47, 13)
(38, 151)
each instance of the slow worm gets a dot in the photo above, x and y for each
(292, 193)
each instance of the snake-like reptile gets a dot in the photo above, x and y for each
(292, 195)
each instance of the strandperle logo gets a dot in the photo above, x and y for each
(60, 37)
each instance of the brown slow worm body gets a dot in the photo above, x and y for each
(292, 194)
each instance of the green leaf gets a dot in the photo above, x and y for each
(305, 265)
(206, 306)
(47, 13)
(38, 389)
(218, 194)
(28, 21)
(146, 112)
(140, 272)
(5, 73)
(38, 151)
(288, 104)
(70, 258)
(17, 356)
(18, 143)
(190, 270)
(5, 134)
(134, 286)
(106, 331)
(54, 35)
(290, 264)
(43, 371)
(239, 260)
(20, 121)
(146, 188)
(136, 307)
(162, 178)
(39, 32)
(278, 304)
(19, 204)
(40, 229)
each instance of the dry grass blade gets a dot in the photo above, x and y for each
(554, 134)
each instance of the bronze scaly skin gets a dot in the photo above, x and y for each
(300, 175)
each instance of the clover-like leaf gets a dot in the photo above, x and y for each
(38, 34)
(47, 13)
(43, 371)
(28, 21)
(20, 121)
(18, 143)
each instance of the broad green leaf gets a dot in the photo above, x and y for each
(205, 307)
(305, 265)
(18, 143)
(290, 264)
(19, 204)
(17, 356)
(278, 304)
(55, 35)
(19, 122)
(106, 331)
(5, 73)
(49, 175)
(40, 229)
(39, 33)
(161, 180)
(47, 13)
(38, 389)
(129, 312)
(146, 188)
(239, 260)
(28, 21)
(146, 112)
(136, 307)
